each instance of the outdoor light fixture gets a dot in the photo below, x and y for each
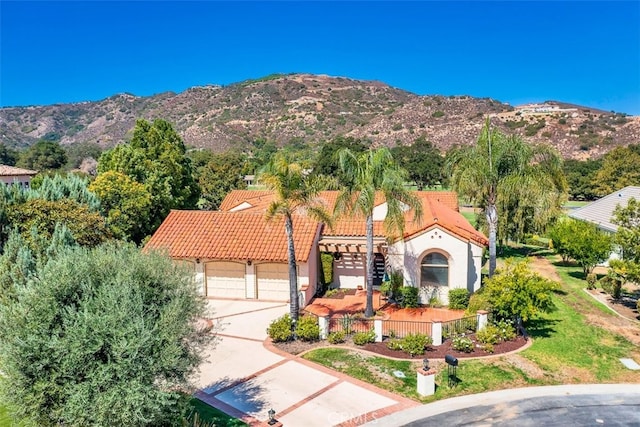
(248, 262)
(272, 417)
(425, 364)
(197, 260)
(337, 255)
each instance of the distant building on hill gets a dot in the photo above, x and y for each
(12, 175)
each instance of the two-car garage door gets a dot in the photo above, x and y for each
(228, 280)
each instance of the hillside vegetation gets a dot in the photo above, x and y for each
(307, 108)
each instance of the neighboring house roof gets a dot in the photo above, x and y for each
(600, 212)
(440, 208)
(231, 236)
(13, 171)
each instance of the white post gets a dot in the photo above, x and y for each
(483, 319)
(426, 382)
(377, 328)
(436, 332)
(323, 323)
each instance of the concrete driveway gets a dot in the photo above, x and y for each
(245, 379)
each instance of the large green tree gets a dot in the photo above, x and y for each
(156, 158)
(582, 242)
(628, 240)
(327, 162)
(223, 173)
(362, 175)
(43, 155)
(295, 193)
(620, 168)
(505, 169)
(125, 203)
(422, 161)
(8, 156)
(103, 336)
(581, 178)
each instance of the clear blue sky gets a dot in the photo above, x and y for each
(581, 52)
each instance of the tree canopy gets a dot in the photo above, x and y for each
(327, 162)
(106, 336)
(628, 239)
(582, 242)
(223, 173)
(620, 168)
(511, 179)
(422, 161)
(155, 157)
(43, 155)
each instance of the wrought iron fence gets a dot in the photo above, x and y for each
(402, 328)
(466, 325)
(350, 324)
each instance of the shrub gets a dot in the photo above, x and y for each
(280, 329)
(506, 330)
(395, 344)
(437, 114)
(591, 280)
(488, 335)
(488, 348)
(478, 301)
(458, 299)
(327, 268)
(362, 338)
(612, 286)
(409, 296)
(336, 337)
(462, 343)
(416, 343)
(308, 329)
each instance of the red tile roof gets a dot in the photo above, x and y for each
(231, 236)
(440, 208)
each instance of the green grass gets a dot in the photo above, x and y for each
(575, 204)
(471, 217)
(566, 349)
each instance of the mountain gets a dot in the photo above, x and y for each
(314, 108)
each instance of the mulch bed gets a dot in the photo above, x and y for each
(434, 352)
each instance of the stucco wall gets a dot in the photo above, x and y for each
(348, 271)
(23, 180)
(464, 261)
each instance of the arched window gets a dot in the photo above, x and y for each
(434, 270)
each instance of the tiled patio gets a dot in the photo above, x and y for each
(357, 303)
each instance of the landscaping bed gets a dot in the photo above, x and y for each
(380, 348)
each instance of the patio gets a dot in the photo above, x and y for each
(351, 304)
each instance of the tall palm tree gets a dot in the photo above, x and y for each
(362, 176)
(504, 170)
(294, 193)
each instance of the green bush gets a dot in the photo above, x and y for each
(280, 329)
(488, 335)
(395, 344)
(591, 280)
(458, 299)
(308, 329)
(336, 337)
(612, 286)
(416, 343)
(478, 301)
(506, 330)
(462, 343)
(409, 296)
(488, 348)
(437, 114)
(327, 269)
(362, 338)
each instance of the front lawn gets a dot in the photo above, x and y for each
(568, 347)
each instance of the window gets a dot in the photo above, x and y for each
(434, 270)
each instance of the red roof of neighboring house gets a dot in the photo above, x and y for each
(440, 208)
(231, 236)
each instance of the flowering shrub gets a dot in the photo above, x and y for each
(462, 343)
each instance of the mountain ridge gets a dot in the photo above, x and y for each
(310, 108)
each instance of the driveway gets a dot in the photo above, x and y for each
(245, 379)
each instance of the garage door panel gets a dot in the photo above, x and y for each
(225, 279)
(273, 282)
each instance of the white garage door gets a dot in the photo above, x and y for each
(273, 282)
(225, 279)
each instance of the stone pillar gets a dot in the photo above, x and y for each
(483, 319)
(436, 332)
(323, 323)
(426, 382)
(377, 328)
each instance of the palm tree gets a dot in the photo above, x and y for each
(506, 171)
(294, 193)
(363, 175)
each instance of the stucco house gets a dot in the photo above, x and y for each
(12, 175)
(236, 253)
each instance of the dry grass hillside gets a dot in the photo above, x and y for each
(315, 108)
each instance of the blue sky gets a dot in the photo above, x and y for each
(580, 52)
